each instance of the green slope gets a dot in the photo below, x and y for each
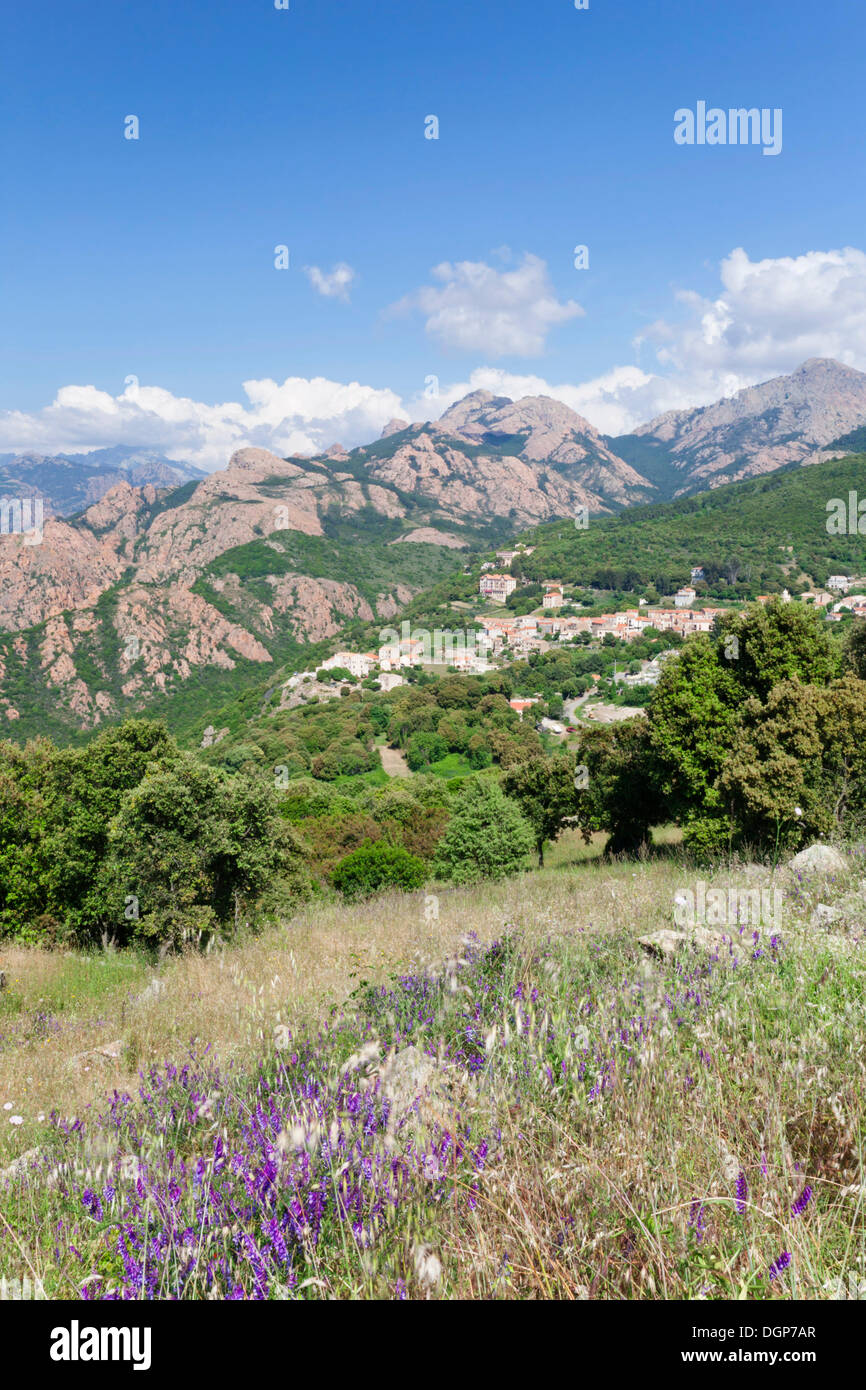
(768, 529)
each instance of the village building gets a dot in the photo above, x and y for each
(497, 587)
(356, 663)
(469, 661)
(856, 604)
(522, 705)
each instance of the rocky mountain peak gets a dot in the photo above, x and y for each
(394, 427)
(763, 427)
(469, 413)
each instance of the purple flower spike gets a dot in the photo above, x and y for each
(805, 1197)
(742, 1193)
(778, 1265)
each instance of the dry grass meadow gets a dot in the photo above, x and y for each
(723, 1094)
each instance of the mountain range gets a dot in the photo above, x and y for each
(177, 588)
(68, 483)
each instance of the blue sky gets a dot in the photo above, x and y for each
(154, 258)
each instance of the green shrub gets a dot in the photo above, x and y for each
(378, 865)
(486, 837)
(424, 749)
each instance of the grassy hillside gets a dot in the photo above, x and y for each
(491, 1093)
(750, 537)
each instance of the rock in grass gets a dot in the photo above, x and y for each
(667, 943)
(819, 859)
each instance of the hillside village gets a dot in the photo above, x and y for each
(502, 639)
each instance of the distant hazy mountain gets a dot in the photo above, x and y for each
(70, 482)
(790, 419)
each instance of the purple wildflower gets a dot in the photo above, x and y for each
(800, 1205)
(696, 1220)
(742, 1192)
(91, 1203)
(778, 1265)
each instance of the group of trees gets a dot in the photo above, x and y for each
(329, 740)
(332, 823)
(754, 736)
(469, 715)
(132, 839)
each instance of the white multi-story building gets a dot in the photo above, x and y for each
(356, 663)
(685, 597)
(839, 582)
(497, 587)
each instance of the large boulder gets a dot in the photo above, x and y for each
(819, 859)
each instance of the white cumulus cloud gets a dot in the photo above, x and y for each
(297, 416)
(769, 316)
(333, 284)
(501, 313)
